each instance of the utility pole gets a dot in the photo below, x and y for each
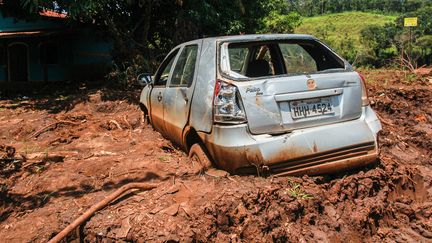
(410, 43)
(410, 22)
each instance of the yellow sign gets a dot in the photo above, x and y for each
(410, 22)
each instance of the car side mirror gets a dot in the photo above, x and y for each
(144, 79)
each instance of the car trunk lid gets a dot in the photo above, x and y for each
(281, 104)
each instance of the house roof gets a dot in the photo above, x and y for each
(27, 33)
(53, 14)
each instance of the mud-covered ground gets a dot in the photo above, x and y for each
(72, 146)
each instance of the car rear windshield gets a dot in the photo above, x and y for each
(261, 59)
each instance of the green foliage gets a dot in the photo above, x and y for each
(148, 29)
(297, 192)
(368, 38)
(125, 73)
(424, 20)
(347, 48)
(324, 31)
(277, 18)
(153, 27)
(420, 45)
(342, 31)
(319, 7)
(276, 22)
(425, 41)
(424, 46)
(384, 43)
(378, 43)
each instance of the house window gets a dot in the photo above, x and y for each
(48, 53)
(3, 55)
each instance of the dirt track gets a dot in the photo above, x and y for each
(82, 144)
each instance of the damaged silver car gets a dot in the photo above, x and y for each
(280, 104)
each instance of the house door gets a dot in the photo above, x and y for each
(18, 62)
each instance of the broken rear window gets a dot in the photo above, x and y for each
(262, 59)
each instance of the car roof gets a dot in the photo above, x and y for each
(257, 37)
(253, 37)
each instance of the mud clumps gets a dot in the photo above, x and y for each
(8, 162)
(105, 143)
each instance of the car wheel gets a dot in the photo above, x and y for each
(146, 119)
(200, 160)
(145, 115)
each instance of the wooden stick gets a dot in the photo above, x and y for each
(45, 128)
(86, 215)
(127, 122)
(116, 123)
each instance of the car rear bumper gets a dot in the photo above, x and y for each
(313, 151)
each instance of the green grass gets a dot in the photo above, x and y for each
(332, 28)
(347, 22)
(296, 191)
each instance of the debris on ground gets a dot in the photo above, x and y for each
(8, 162)
(68, 167)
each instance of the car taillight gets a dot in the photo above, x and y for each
(227, 105)
(364, 98)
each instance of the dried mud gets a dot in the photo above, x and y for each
(74, 148)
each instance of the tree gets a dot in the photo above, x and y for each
(424, 43)
(379, 43)
(276, 22)
(161, 22)
(153, 27)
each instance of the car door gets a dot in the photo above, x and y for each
(158, 92)
(179, 92)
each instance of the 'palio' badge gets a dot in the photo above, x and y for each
(311, 84)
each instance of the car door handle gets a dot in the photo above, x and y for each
(184, 94)
(159, 97)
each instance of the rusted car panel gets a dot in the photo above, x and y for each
(201, 117)
(178, 97)
(281, 121)
(265, 153)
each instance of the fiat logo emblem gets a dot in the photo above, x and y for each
(311, 84)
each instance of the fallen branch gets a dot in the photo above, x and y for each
(33, 163)
(46, 128)
(127, 122)
(116, 123)
(86, 215)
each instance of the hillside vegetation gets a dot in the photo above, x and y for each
(342, 30)
(365, 32)
(338, 24)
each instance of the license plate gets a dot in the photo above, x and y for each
(311, 107)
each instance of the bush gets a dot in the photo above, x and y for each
(125, 73)
(379, 44)
(276, 22)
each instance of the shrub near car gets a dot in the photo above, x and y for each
(265, 104)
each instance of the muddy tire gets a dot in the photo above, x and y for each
(200, 160)
(145, 115)
(146, 119)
